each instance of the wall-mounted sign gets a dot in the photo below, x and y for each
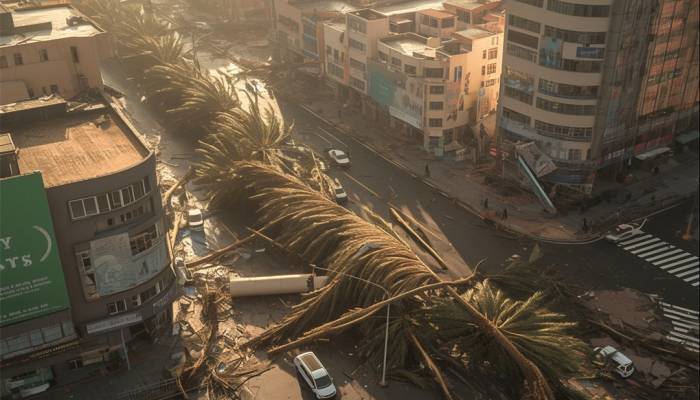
(31, 274)
(113, 323)
(590, 52)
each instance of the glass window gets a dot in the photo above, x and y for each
(435, 122)
(90, 204)
(523, 39)
(521, 52)
(493, 53)
(43, 55)
(146, 185)
(18, 59)
(436, 105)
(77, 210)
(116, 199)
(3, 62)
(536, 3)
(437, 89)
(36, 337)
(52, 333)
(383, 56)
(448, 23)
(575, 36)
(116, 307)
(68, 329)
(127, 195)
(395, 61)
(409, 69)
(578, 10)
(103, 203)
(433, 72)
(17, 343)
(491, 68)
(524, 23)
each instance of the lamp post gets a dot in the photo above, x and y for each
(386, 329)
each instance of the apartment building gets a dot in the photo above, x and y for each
(48, 49)
(596, 84)
(84, 267)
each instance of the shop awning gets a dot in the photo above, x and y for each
(652, 153)
(687, 137)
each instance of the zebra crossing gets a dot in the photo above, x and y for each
(665, 256)
(684, 323)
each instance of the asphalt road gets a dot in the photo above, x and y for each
(464, 237)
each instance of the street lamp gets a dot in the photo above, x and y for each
(386, 295)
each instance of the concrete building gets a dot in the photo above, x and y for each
(109, 280)
(48, 49)
(597, 83)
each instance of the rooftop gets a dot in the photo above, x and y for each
(77, 147)
(409, 6)
(6, 144)
(40, 24)
(473, 34)
(436, 13)
(323, 6)
(368, 14)
(468, 4)
(409, 44)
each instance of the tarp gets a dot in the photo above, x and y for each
(652, 153)
(687, 137)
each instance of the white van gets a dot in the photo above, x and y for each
(315, 375)
(623, 365)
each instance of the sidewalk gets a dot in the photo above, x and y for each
(465, 184)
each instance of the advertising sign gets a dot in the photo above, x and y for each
(117, 270)
(401, 95)
(590, 52)
(113, 323)
(550, 53)
(31, 274)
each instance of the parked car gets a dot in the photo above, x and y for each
(623, 365)
(338, 158)
(624, 231)
(195, 219)
(315, 375)
(340, 195)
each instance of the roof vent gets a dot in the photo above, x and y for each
(75, 20)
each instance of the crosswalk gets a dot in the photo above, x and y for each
(684, 322)
(665, 256)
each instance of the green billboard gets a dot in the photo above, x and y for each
(31, 275)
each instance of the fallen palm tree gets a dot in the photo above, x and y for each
(328, 235)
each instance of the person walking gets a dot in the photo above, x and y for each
(427, 170)
(486, 203)
(505, 213)
(585, 225)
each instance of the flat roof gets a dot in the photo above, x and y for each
(31, 25)
(77, 146)
(436, 13)
(409, 6)
(6, 144)
(409, 43)
(468, 4)
(323, 6)
(474, 33)
(368, 13)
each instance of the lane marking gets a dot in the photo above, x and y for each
(651, 246)
(679, 315)
(636, 239)
(673, 306)
(676, 257)
(333, 136)
(688, 272)
(692, 278)
(363, 186)
(322, 137)
(689, 267)
(666, 254)
(685, 325)
(642, 243)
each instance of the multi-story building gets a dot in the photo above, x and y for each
(596, 83)
(48, 49)
(84, 265)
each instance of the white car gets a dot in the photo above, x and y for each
(624, 231)
(340, 195)
(195, 219)
(623, 365)
(315, 375)
(339, 158)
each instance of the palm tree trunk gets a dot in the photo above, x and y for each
(431, 365)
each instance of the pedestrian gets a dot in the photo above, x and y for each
(486, 203)
(427, 170)
(656, 170)
(505, 213)
(585, 225)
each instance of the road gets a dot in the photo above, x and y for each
(464, 237)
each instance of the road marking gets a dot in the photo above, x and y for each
(665, 260)
(692, 271)
(651, 246)
(683, 322)
(692, 278)
(683, 267)
(333, 136)
(666, 254)
(636, 239)
(685, 325)
(363, 186)
(673, 306)
(322, 137)
(642, 243)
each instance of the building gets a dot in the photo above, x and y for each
(49, 49)
(595, 84)
(84, 264)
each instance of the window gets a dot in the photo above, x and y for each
(564, 108)
(578, 66)
(434, 122)
(395, 61)
(578, 10)
(448, 23)
(43, 55)
(574, 155)
(425, 20)
(437, 89)
(336, 71)
(357, 25)
(491, 68)
(521, 52)
(143, 240)
(518, 94)
(536, 3)
(523, 39)
(116, 307)
(54, 89)
(458, 73)
(357, 64)
(329, 51)
(357, 45)
(357, 83)
(74, 54)
(516, 116)
(83, 207)
(148, 294)
(3, 62)
(483, 54)
(494, 40)
(489, 82)
(433, 72)
(575, 36)
(524, 23)
(483, 70)
(493, 53)
(463, 16)
(18, 59)
(409, 69)
(436, 105)
(563, 132)
(433, 22)
(567, 91)
(383, 57)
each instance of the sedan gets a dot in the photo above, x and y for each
(339, 158)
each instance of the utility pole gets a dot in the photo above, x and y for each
(688, 228)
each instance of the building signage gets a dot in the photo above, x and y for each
(165, 300)
(113, 323)
(402, 95)
(117, 270)
(31, 274)
(590, 52)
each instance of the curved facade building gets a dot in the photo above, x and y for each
(98, 181)
(575, 75)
